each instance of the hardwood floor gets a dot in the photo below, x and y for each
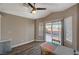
(32, 48)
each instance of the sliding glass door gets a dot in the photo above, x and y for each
(57, 32)
(48, 34)
(54, 32)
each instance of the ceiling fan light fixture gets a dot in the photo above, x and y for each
(33, 11)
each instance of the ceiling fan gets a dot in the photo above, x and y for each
(34, 9)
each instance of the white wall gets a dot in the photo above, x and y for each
(17, 29)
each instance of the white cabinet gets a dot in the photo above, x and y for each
(1, 49)
(5, 46)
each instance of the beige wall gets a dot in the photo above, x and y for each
(17, 29)
(0, 27)
(21, 30)
(78, 26)
(72, 11)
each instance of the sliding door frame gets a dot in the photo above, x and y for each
(62, 29)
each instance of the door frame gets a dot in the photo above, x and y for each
(62, 22)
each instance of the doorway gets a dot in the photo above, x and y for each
(54, 32)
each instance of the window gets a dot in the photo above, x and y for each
(68, 28)
(48, 36)
(40, 32)
(54, 32)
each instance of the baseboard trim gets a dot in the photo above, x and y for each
(21, 44)
(39, 40)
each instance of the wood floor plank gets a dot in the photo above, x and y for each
(32, 48)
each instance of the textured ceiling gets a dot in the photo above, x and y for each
(25, 11)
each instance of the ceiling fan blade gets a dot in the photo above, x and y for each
(31, 5)
(25, 4)
(41, 8)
